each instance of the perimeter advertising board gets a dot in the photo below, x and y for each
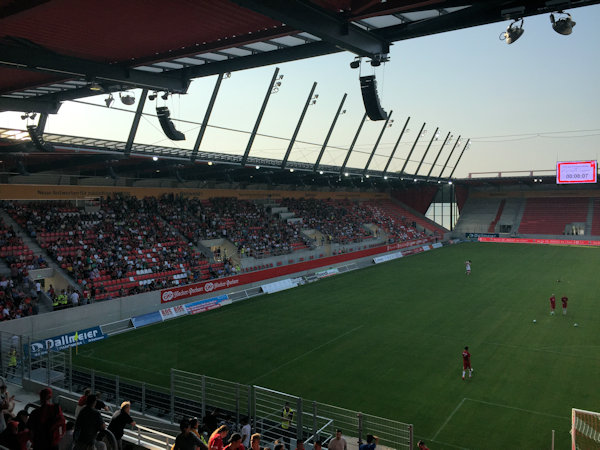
(64, 341)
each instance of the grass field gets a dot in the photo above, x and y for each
(387, 340)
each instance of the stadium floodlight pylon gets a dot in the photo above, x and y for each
(585, 429)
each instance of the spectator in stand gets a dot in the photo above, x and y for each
(46, 423)
(194, 423)
(246, 431)
(82, 401)
(255, 441)
(100, 405)
(235, 442)
(185, 440)
(66, 442)
(371, 444)
(87, 426)
(216, 438)
(119, 421)
(338, 442)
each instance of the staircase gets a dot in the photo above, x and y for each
(590, 218)
(492, 227)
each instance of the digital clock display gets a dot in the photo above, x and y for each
(569, 172)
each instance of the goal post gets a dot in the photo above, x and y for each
(585, 429)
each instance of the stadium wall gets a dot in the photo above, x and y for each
(65, 321)
(55, 192)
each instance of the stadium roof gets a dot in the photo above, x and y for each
(56, 50)
(52, 51)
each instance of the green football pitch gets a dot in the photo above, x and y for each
(387, 340)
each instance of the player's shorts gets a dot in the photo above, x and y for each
(466, 365)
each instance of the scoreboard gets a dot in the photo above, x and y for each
(572, 172)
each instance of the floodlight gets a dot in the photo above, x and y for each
(165, 96)
(109, 100)
(320, 172)
(356, 63)
(127, 99)
(564, 25)
(155, 158)
(291, 170)
(513, 32)
(153, 96)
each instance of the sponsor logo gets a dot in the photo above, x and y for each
(167, 296)
(208, 287)
(66, 340)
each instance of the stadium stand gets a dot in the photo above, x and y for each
(125, 246)
(595, 231)
(551, 215)
(477, 215)
(408, 217)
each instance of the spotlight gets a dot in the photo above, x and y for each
(109, 100)
(227, 75)
(375, 62)
(513, 32)
(564, 25)
(368, 176)
(385, 178)
(320, 172)
(165, 96)
(257, 167)
(346, 174)
(25, 116)
(449, 182)
(355, 64)
(127, 99)
(153, 96)
(292, 170)
(32, 116)
(155, 158)
(210, 163)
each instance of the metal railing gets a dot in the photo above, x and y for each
(190, 395)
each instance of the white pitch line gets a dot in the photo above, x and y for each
(517, 409)
(448, 418)
(305, 353)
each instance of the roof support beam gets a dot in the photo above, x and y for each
(395, 147)
(362, 122)
(38, 105)
(207, 114)
(449, 156)
(437, 156)
(297, 130)
(427, 150)
(377, 143)
(259, 118)
(458, 160)
(36, 58)
(337, 115)
(306, 16)
(412, 149)
(136, 121)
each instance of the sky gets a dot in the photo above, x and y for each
(524, 106)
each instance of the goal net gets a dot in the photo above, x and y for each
(585, 430)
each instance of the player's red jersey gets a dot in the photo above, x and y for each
(466, 359)
(553, 302)
(564, 301)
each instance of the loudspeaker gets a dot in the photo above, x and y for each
(167, 124)
(38, 140)
(368, 87)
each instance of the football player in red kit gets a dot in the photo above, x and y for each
(552, 304)
(466, 363)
